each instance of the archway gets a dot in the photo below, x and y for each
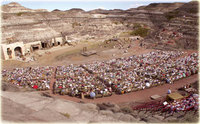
(18, 51)
(9, 52)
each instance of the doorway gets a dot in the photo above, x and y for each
(35, 48)
(44, 45)
(18, 51)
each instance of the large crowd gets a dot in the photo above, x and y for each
(74, 80)
(37, 78)
(144, 71)
(121, 75)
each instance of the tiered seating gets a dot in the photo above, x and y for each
(76, 81)
(186, 104)
(37, 78)
(149, 106)
(122, 75)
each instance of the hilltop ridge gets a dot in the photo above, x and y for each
(15, 7)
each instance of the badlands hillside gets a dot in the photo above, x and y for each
(163, 25)
(166, 26)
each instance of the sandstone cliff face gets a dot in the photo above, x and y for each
(28, 25)
(31, 26)
(180, 28)
(161, 7)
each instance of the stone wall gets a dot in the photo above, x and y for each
(12, 47)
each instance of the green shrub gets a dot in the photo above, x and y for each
(142, 32)
(66, 115)
(136, 25)
(171, 15)
(75, 24)
(19, 13)
(193, 10)
(116, 23)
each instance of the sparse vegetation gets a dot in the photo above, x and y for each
(75, 24)
(142, 32)
(66, 115)
(171, 15)
(19, 13)
(121, 22)
(125, 34)
(193, 10)
(116, 22)
(136, 25)
(85, 41)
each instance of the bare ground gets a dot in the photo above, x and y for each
(34, 111)
(66, 55)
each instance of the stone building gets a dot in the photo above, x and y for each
(11, 51)
(19, 49)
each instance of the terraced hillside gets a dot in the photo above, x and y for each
(27, 25)
(180, 30)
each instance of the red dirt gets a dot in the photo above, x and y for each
(141, 95)
(130, 97)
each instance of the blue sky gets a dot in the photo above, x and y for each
(87, 4)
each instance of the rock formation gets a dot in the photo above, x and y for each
(27, 25)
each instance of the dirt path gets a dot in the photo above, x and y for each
(141, 95)
(103, 54)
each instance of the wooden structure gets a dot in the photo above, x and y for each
(174, 96)
(88, 53)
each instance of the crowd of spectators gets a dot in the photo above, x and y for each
(144, 71)
(189, 103)
(74, 80)
(121, 75)
(34, 77)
